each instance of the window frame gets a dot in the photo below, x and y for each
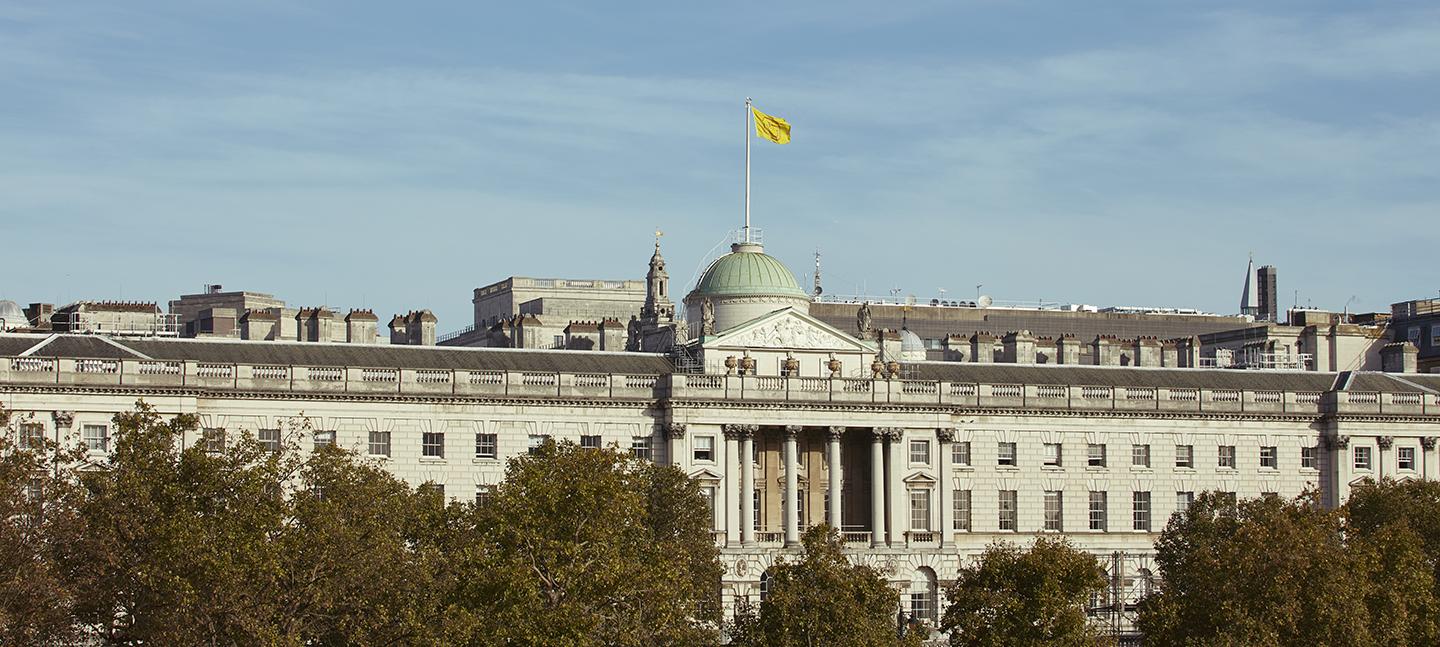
(1140, 456)
(1369, 458)
(1223, 453)
(1054, 518)
(1141, 503)
(923, 456)
(643, 448)
(431, 449)
(962, 510)
(1098, 515)
(1405, 458)
(920, 516)
(1189, 457)
(104, 441)
(1000, 454)
(708, 450)
(1094, 460)
(960, 454)
(1309, 457)
(1054, 455)
(1008, 501)
(1273, 458)
(378, 439)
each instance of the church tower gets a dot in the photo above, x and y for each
(658, 306)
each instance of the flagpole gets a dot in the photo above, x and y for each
(748, 116)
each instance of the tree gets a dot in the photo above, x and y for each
(248, 544)
(593, 547)
(1014, 596)
(36, 518)
(821, 599)
(1271, 571)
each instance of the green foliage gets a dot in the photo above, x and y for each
(1015, 596)
(821, 599)
(594, 547)
(1271, 571)
(35, 600)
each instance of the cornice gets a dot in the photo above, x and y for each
(291, 396)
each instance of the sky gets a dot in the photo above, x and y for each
(397, 155)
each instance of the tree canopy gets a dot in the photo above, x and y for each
(1016, 596)
(1271, 571)
(821, 599)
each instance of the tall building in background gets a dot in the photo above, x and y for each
(1249, 304)
(1269, 299)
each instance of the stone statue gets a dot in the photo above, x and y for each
(707, 318)
(862, 320)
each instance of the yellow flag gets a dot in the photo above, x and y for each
(774, 129)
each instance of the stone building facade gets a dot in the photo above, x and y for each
(787, 421)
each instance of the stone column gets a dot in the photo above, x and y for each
(1429, 467)
(1384, 457)
(877, 487)
(944, 436)
(832, 452)
(896, 503)
(792, 487)
(1339, 447)
(747, 481)
(732, 484)
(676, 433)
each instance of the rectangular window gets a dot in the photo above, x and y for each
(1052, 455)
(1142, 510)
(1054, 510)
(705, 448)
(590, 442)
(962, 509)
(1095, 455)
(1405, 458)
(432, 444)
(920, 509)
(1099, 511)
(1307, 457)
(435, 488)
(483, 495)
(1227, 457)
(97, 438)
(1007, 454)
(486, 446)
(1140, 456)
(324, 439)
(920, 452)
(640, 448)
(32, 436)
(1362, 458)
(270, 439)
(1228, 499)
(709, 494)
(1183, 500)
(1009, 502)
(379, 443)
(1269, 458)
(212, 439)
(1185, 456)
(960, 453)
(534, 443)
(755, 508)
(801, 519)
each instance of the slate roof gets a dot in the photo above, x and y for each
(386, 356)
(1176, 378)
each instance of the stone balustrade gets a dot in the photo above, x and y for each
(544, 384)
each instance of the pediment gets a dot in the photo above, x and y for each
(705, 475)
(919, 478)
(788, 329)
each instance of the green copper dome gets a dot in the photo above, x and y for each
(745, 271)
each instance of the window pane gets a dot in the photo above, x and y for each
(270, 439)
(1052, 454)
(1142, 510)
(1007, 454)
(1227, 456)
(920, 509)
(962, 509)
(1184, 456)
(379, 443)
(97, 438)
(920, 451)
(1008, 504)
(590, 442)
(1095, 455)
(1140, 455)
(960, 453)
(1099, 512)
(432, 444)
(1054, 511)
(704, 448)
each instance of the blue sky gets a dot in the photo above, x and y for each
(397, 155)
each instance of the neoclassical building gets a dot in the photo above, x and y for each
(785, 421)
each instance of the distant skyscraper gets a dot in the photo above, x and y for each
(1269, 298)
(1249, 304)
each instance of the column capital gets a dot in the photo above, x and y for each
(945, 434)
(1385, 441)
(793, 430)
(675, 430)
(63, 419)
(1336, 442)
(739, 432)
(1427, 443)
(836, 431)
(889, 433)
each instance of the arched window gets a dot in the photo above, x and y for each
(923, 590)
(764, 585)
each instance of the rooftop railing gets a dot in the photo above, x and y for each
(138, 373)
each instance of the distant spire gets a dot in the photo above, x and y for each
(1249, 299)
